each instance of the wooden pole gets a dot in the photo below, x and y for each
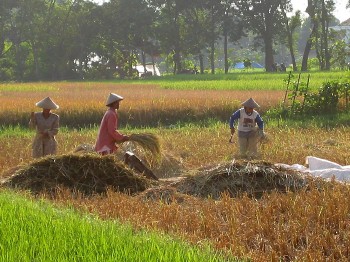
(306, 90)
(295, 92)
(288, 82)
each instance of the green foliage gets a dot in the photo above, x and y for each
(7, 72)
(36, 231)
(324, 101)
(313, 63)
(55, 40)
(339, 54)
(188, 64)
(247, 63)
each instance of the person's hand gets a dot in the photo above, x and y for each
(126, 138)
(261, 134)
(45, 134)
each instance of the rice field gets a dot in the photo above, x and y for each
(82, 104)
(312, 225)
(246, 80)
(71, 236)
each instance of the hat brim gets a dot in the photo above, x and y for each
(47, 103)
(113, 98)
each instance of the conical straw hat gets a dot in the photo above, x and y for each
(47, 103)
(112, 98)
(250, 103)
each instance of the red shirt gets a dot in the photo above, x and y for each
(108, 134)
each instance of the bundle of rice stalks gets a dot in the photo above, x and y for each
(84, 148)
(148, 142)
(85, 173)
(250, 178)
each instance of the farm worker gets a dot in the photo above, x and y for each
(250, 128)
(108, 133)
(46, 124)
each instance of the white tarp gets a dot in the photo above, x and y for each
(323, 168)
(149, 68)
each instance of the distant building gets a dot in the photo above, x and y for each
(345, 27)
(150, 68)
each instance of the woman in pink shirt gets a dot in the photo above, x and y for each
(108, 133)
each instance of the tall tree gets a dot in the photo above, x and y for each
(6, 64)
(264, 17)
(320, 12)
(291, 24)
(195, 33)
(5, 17)
(215, 16)
(327, 8)
(28, 28)
(170, 27)
(311, 11)
(233, 27)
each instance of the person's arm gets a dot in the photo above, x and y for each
(111, 125)
(32, 120)
(55, 127)
(259, 121)
(236, 115)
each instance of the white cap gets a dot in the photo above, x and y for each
(250, 103)
(112, 98)
(47, 103)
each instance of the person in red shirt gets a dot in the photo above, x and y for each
(108, 134)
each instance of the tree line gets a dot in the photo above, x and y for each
(61, 39)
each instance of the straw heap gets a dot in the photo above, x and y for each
(86, 173)
(236, 179)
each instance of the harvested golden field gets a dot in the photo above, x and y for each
(82, 104)
(310, 224)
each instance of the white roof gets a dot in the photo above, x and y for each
(149, 68)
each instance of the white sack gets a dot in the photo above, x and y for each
(323, 168)
(316, 163)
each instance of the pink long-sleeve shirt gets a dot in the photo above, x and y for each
(108, 134)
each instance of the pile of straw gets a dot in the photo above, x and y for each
(250, 178)
(85, 173)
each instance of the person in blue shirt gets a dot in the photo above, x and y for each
(250, 128)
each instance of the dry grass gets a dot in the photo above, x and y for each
(292, 226)
(89, 96)
(82, 104)
(201, 146)
(308, 225)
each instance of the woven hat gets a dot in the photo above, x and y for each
(47, 103)
(112, 98)
(250, 103)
